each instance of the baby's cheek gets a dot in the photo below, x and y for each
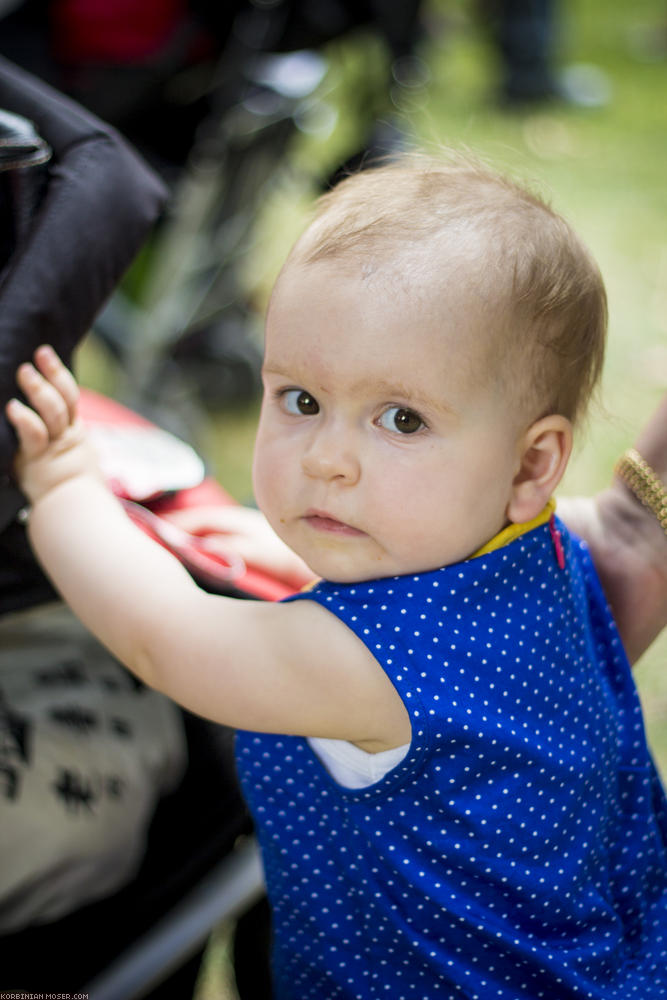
(261, 467)
(268, 483)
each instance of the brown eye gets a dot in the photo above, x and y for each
(398, 418)
(298, 401)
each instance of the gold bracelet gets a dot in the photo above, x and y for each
(640, 478)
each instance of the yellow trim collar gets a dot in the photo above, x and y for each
(503, 537)
(513, 531)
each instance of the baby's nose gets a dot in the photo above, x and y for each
(331, 457)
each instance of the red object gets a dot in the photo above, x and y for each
(95, 408)
(114, 31)
(558, 543)
(207, 566)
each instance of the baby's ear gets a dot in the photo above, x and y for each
(544, 451)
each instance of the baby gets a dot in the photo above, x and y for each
(440, 742)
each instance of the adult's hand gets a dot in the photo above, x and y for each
(628, 545)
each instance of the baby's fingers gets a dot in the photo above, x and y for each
(60, 377)
(30, 428)
(46, 399)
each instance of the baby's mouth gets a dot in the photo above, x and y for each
(323, 522)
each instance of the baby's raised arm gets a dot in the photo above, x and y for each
(288, 668)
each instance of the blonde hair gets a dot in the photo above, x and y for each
(540, 277)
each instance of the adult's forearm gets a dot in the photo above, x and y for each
(628, 545)
(652, 442)
(644, 610)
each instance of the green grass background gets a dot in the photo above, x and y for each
(605, 168)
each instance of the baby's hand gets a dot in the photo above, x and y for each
(244, 532)
(52, 442)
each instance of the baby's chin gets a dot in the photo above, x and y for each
(382, 570)
(337, 572)
(353, 560)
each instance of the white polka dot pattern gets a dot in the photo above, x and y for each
(520, 848)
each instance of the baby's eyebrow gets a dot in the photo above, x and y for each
(385, 387)
(395, 390)
(277, 371)
(389, 389)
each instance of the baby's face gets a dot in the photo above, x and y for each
(380, 451)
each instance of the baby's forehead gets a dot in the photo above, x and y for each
(440, 304)
(452, 269)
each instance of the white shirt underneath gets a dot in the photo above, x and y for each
(353, 767)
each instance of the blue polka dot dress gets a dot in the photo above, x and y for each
(519, 850)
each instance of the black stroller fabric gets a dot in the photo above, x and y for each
(97, 207)
(68, 241)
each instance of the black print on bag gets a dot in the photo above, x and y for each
(67, 672)
(75, 717)
(75, 790)
(120, 727)
(10, 782)
(14, 734)
(80, 793)
(122, 682)
(114, 786)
